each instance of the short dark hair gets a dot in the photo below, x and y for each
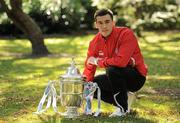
(102, 12)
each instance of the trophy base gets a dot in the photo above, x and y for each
(71, 112)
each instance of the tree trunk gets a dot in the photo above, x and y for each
(27, 25)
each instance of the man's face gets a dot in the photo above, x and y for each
(104, 24)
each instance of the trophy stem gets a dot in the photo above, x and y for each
(72, 112)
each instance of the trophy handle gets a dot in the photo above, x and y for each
(60, 91)
(89, 90)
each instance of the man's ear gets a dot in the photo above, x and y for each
(114, 23)
(95, 24)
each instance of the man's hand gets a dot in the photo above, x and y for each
(132, 62)
(84, 78)
(92, 60)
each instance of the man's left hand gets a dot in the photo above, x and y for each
(132, 62)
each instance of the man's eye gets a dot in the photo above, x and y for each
(107, 22)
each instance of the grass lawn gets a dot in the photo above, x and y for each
(23, 79)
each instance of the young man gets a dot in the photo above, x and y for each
(116, 49)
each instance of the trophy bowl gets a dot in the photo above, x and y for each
(71, 91)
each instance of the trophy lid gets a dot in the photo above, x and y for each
(72, 71)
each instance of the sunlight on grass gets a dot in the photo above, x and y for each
(156, 55)
(54, 40)
(158, 108)
(163, 77)
(155, 105)
(12, 45)
(156, 38)
(74, 45)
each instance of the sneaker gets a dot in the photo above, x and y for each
(117, 113)
(89, 112)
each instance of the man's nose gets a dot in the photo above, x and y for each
(104, 25)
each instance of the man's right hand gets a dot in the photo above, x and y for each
(92, 60)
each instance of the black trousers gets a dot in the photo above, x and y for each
(118, 81)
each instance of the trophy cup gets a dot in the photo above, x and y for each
(71, 91)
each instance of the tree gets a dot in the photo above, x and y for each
(26, 24)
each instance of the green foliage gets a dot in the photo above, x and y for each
(53, 16)
(23, 79)
(59, 15)
(144, 14)
(65, 16)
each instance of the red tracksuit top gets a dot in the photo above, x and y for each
(115, 50)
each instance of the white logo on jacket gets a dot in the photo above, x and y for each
(116, 51)
(101, 53)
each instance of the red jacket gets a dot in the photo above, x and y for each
(115, 50)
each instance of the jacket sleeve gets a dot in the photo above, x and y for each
(126, 47)
(89, 70)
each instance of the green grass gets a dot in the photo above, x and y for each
(23, 79)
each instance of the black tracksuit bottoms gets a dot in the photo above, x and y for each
(118, 81)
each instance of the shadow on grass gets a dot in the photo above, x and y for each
(100, 119)
(157, 50)
(69, 45)
(19, 95)
(175, 39)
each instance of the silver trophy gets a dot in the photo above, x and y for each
(71, 91)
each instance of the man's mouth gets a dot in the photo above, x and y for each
(104, 30)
